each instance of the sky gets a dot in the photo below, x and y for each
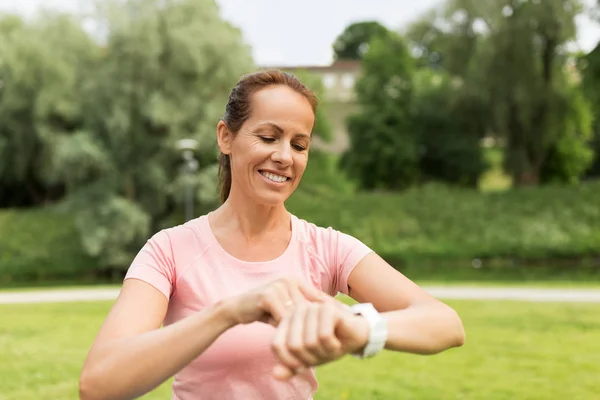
(301, 32)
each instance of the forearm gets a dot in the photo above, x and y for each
(130, 367)
(424, 328)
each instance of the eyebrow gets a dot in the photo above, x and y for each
(279, 129)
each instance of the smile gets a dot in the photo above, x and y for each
(273, 177)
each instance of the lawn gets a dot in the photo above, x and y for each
(514, 350)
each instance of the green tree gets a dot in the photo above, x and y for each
(590, 71)
(449, 121)
(384, 152)
(353, 43)
(165, 74)
(514, 52)
(43, 67)
(448, 37)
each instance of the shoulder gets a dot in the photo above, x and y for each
(309, 231)
(182, 242)
(321, 237)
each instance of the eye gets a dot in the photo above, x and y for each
(299, 147)
(267, 139)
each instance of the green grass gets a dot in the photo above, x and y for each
(514, 350)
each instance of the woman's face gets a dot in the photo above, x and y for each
(270, 152)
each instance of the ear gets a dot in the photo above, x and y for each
(224, 137)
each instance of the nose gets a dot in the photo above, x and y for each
(283, 154)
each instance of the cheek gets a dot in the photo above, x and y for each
(301, 162)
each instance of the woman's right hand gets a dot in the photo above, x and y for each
(271, 302)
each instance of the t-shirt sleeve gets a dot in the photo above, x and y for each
(154, 264)
(347, 252)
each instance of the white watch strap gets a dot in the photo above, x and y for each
(378, 329)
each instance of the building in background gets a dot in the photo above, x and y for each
(340, 99)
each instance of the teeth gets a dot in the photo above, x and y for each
(273, 177)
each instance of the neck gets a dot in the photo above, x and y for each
(249, 218)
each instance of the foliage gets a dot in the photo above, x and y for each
(40, 244)
(42, 72)
(446, 223)
(423, 126)
(353, 43)
(434, 224)
(95, 125)
(590, 72)
(384, 152)
(571, 155)
(449, 122)
(514, 53)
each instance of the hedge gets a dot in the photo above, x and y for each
(442, 222)
(425, 226)
(40, 244)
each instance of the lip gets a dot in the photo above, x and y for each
(273, 182)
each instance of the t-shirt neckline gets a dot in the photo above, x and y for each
(249, 264)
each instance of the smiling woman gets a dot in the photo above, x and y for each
(246, 293)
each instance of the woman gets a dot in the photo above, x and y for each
(246, 293)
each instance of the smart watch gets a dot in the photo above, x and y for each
(378, 329)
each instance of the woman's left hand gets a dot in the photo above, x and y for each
(316, 333)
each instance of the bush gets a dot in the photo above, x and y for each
(439, 222)
(449, 120)
(421, 230)
(324, 176)
(572, 153)
(40, 244)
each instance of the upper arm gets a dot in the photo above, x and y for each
(144, 298)
(373, 280)
(139, 308)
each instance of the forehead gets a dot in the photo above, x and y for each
(282, 105)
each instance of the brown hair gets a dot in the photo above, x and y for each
(238, 110)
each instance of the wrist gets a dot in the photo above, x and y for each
(224, 311)
(377, 328)
(362, 329)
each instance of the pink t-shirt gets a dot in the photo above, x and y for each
(188, 265)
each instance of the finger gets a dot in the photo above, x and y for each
(326, 329)
(276, 304)
(295, 339)
(310, 292)
(296, 295)
(311, 333)
(279, 346)
(282, 372)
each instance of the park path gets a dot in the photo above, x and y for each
(441, 292)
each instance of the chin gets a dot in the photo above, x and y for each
(272, 199)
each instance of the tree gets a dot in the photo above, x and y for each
(94, 125)
(449, 121)
(590, 71)
(165, 74)
(354, 41)
(514, 51)
(43, 68)
(447, 37)
(384, 153)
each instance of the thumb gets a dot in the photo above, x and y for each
(282, 373)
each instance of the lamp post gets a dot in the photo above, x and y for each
(190, 166)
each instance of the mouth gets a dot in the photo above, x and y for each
(274, 177)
